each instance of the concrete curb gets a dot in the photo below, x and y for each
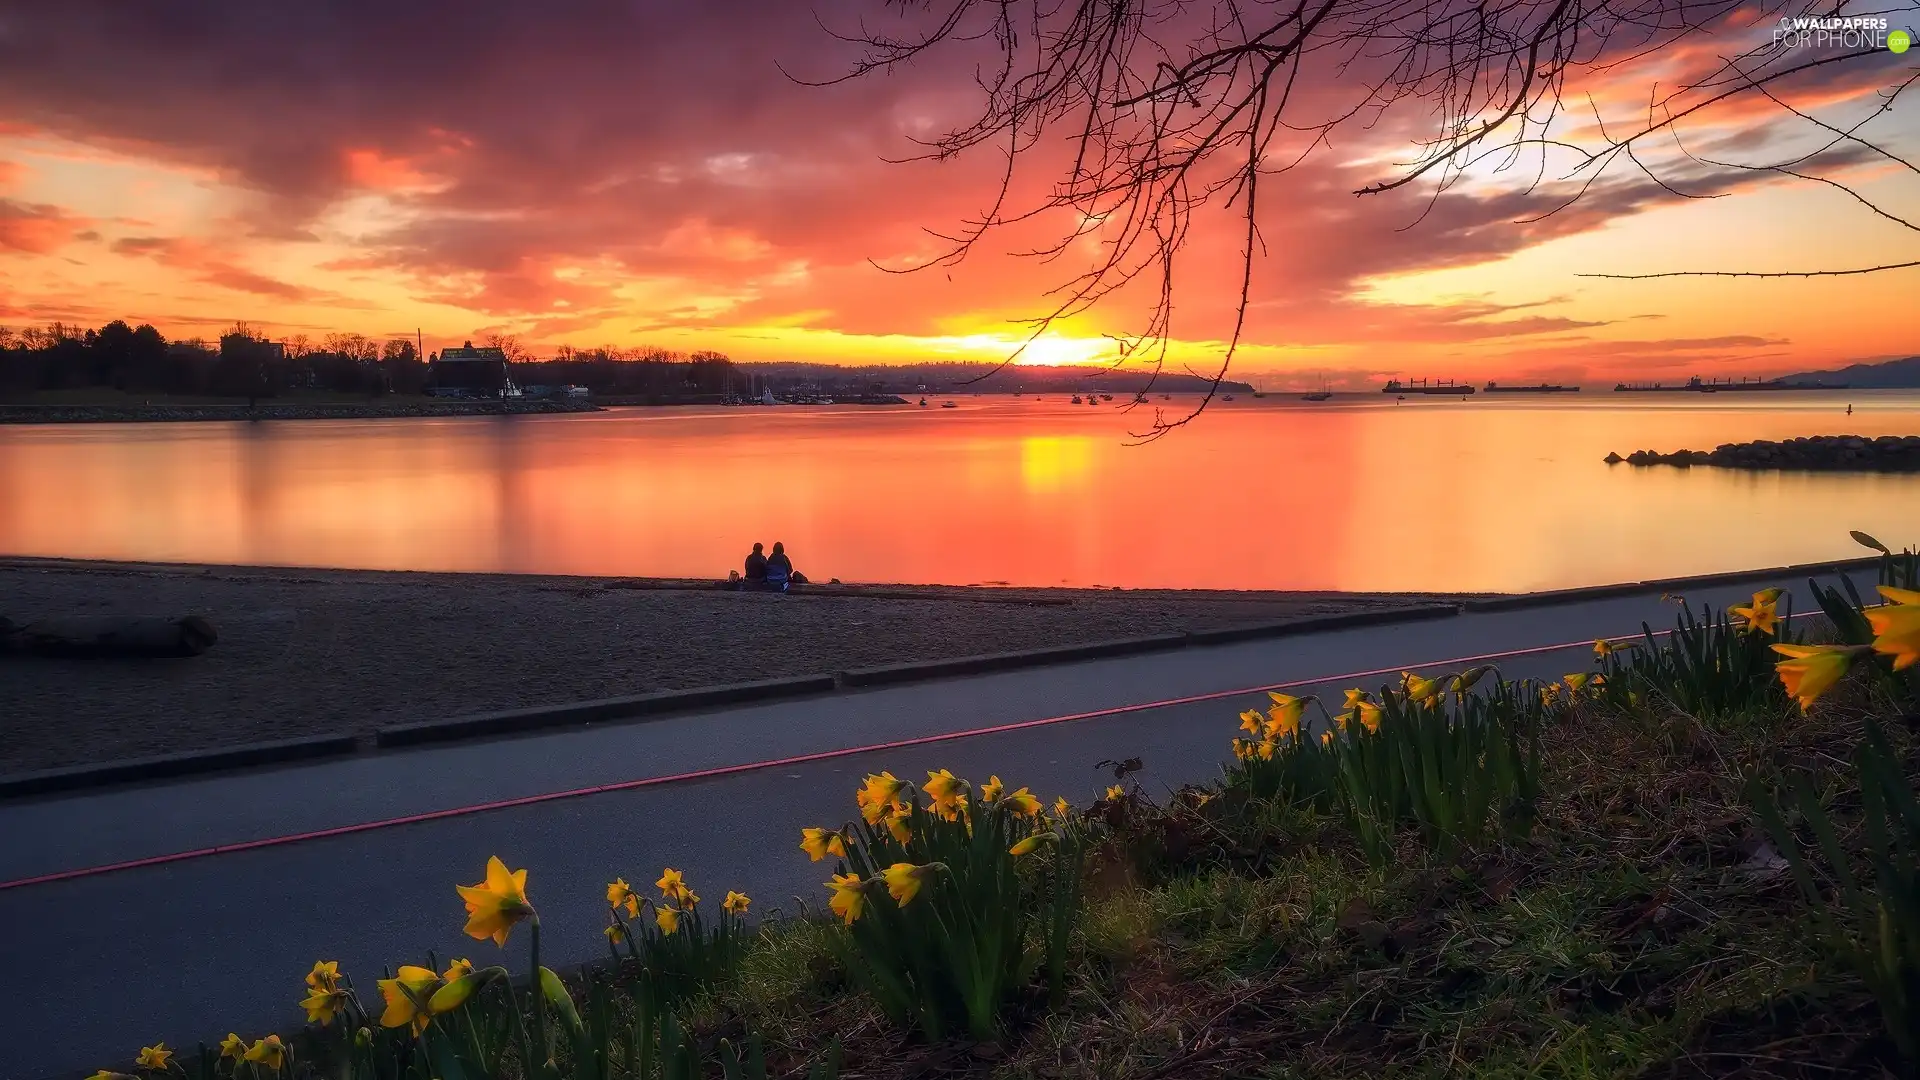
(514, 721)
(167, 766)
(1008, 661)
(1630, 588)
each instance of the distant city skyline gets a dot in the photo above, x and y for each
(649, 176)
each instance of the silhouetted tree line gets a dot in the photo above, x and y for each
(244, 363)
(647, 371)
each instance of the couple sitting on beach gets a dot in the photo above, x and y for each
(774, 571)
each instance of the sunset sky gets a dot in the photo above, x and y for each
(644, 173)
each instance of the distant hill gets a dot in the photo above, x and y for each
(1886, 375)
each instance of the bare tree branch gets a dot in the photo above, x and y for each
(1152, 112)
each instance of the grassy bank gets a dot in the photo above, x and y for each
(1694, 856)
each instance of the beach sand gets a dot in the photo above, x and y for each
(311, 652)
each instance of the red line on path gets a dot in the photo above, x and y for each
(752, 766)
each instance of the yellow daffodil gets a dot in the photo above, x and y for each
(668, 917)
(1577, 681)
(1288, 701)
(1283, 719)
(991, 790)
(496, 904)
(672, 884)
(1060, 807)
(735, 903)
(849, 896)
(233, 1046)
(1365, 713)
(1024, 803)
(321, 1005)
(619, 893)
(615, 933)
(877, 794)
(1899, 596)
(269, 1051)
(1242, 749)
(899, 824)
(1768, 596)
(406, 995)
(1252, 721)
(1266, 749)
(1604, 648)
(947, 791)
(1757, 617)
(1896, 629)
(456, 969)
(904, 880)
(105, 1074)
(1032, 843)
(1326, 737)
(153, 1057)
(1355, 697)
(325, 975)
(1422, 691)
(820, 843)
(1811, 670)
(1116, 793)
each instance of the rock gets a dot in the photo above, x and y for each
(1886, 453)
(111, 636)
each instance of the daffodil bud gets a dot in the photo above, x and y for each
(1032, 843)
(556, 994)
(363, 1038)
(454, 994)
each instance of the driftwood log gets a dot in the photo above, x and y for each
(108, 636)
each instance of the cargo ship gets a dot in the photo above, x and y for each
(1698, 385)
(1541, 388)
(1422, 386)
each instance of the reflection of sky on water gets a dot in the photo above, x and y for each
(1483, 494)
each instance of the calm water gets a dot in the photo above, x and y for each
(1447, 495)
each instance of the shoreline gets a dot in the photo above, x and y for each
(305, 652)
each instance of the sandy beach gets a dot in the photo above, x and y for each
(307, 652)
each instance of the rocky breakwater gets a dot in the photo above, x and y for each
(125, 414)
(1887, 453)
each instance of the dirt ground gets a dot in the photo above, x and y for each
(309, 652)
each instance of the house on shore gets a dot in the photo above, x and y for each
(471, 372)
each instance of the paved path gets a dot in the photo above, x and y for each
(189, 949)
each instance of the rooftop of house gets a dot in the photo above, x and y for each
(468, 352)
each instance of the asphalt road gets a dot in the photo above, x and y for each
(188, 950)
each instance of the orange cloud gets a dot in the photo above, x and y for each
(371, 169)
(37, 228)
(206, 265)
